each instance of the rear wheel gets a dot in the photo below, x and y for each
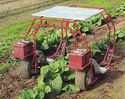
(27, 65)
(82, 79)
(27, 68)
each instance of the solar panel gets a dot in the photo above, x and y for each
(68, 12)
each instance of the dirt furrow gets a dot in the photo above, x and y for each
(28, 8)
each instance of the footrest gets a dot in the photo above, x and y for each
(49, 60)
(98, 69)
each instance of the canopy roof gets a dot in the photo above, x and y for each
(68, 12)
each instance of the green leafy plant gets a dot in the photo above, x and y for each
(120, 10)
(102, 45)
(52, 80)
(51, 41)
(98, 19)
(14, 60)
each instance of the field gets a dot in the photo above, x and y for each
(15, 19)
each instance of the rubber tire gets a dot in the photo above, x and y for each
(81, 77)
(25, 67)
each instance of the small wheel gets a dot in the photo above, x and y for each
(82, 79)
(27, 67)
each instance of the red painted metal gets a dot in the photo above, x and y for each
(78, 60)
(22, 49)
(109, 46)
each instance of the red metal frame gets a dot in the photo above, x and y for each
(109, 46)
(66, 27)
(61, 43)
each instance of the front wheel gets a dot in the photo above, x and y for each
(82, 79)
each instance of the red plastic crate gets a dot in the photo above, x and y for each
(79, 59)
(22, 48)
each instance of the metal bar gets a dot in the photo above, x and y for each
(59, 47)
(55, 20)
(29, 29)
(84, 42)
(86, 6)
(62, 31)
(95, 79)
(35, 56)
(81, 67)
(33, 27)
(67, 25)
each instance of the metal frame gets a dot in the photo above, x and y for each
(109, 45)
(66, 27)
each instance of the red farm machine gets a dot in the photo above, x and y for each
(86, 68)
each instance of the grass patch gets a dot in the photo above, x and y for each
(108, 5)
(4, 65)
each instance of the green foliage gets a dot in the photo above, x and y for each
(51, 41)
(95, 48)
(14, 60)
(98, 19)
(102, 45)
(71, 88)
(28, 94)
(4, 65)
(56, 85)
(83, 27)
(120, 10)
(51, 80)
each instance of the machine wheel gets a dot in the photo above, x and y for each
(27, 67)
(82, 79)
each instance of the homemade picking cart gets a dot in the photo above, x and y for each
(86, 68)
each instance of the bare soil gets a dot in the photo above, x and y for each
(109, 86)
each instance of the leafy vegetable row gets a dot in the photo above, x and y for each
(98, 19)
(120, 10)
(102, 45)
(53, 79)
(51, 41)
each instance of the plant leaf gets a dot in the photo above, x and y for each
(84, 29)
(56, 85)
(47, 89)
(45, 46)
(71, 89)
(120, 35)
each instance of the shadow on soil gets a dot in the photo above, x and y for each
(109, 77)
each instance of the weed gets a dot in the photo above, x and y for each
(4, 65)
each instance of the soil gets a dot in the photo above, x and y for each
(110, 86)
